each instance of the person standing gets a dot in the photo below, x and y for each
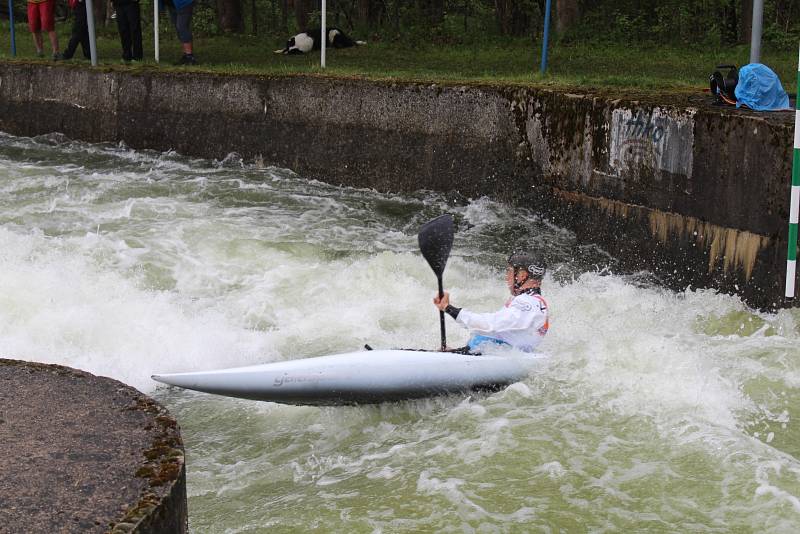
(41, 16)
(80, 31)
(129, 24)
(180, 13)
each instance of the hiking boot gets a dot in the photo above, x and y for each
(187, 59)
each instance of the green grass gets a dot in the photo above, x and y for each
(645, 69)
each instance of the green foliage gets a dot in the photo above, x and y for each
(690, 22)
(781, 38)
(707, 23)
(204, 18)
(667, 21)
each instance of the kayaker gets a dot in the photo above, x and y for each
(521, 323)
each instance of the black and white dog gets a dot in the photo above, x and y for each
(311, 40)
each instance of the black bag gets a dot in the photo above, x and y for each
(723, 87)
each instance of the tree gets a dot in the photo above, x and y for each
(512, 19)
(301, 8)
(229, 16)
(368, 13)
(729, 29)
(432, 11)
(363, 12)
(746, 22)
(567, 14)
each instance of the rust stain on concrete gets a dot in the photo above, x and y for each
(734, 248)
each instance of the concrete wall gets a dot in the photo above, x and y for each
(83, 453)
(697, 194)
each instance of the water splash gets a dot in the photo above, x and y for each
(659, 410)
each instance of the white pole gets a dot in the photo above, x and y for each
(90, 27)
(324, 36)
(755, 31)
(794, 203)
(155, 27)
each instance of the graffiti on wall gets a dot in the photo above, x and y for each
(652, 140)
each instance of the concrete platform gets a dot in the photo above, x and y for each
(81, 453)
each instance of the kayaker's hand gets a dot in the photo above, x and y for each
(443, 302)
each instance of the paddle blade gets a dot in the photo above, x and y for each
(435, 241)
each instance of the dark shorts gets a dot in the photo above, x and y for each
(41, 16)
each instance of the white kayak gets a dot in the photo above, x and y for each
(362, 377)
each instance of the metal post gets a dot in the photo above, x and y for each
(794, 208)
(13, 33)
(755, 34)
(155, 28)
(546, 36)
(92, 39)
(323, 36)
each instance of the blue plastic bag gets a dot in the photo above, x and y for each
(760, 89)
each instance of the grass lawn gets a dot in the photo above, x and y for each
(644, 69)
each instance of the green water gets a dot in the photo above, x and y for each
(657, 411)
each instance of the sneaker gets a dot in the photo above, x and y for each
(187, 59)
(40, 53)
(57, 56)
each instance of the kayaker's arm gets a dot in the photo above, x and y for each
(520, 315)
(513, 317)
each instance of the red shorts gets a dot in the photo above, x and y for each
(41, 16)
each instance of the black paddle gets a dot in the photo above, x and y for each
(435, 241)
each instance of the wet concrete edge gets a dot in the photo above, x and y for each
(159, 473)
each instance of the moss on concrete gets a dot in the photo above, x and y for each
(73, 449)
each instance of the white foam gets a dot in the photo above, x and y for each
(126, 264)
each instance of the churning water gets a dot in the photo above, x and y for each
(657, 411)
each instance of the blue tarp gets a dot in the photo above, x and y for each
(760, 89)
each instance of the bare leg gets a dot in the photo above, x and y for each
(37, 41)
(53, 41)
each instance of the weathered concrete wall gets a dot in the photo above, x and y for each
(695, 193)
(81, 453)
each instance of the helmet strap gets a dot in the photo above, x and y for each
(518, 288)
(517, 284)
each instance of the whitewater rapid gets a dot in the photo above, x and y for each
(659, 410)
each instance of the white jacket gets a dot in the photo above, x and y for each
(522, 322)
